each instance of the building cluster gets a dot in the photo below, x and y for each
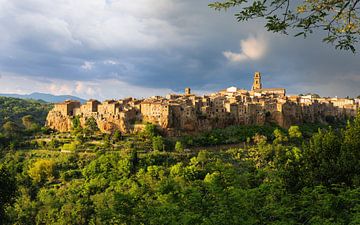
(176, 114)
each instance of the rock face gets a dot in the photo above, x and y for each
(177, 114)
(59, 122)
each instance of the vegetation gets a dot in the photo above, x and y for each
(14, 110)
(237, 175)
(19, 120)
(229, 135)
(179, 146)
(7, 191)
(313, 95)
(339, 19)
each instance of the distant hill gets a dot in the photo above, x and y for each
(45, 97)
(13, 109)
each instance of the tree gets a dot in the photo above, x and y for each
(76, 125)
(116, 136)
(202, 157)
(106, 140)
(350, 152)
(42, 170)
(80, 138)
(321, 159)
(53, 144)
(280, 137)
(3, 141)
(91, 124)
(339, 19)
(134, 161)
(11, 128)
(295, 134)
(259, 139)
(71, 147)
(7, 191)
(179, 146)
(150, 130)
(158, 143)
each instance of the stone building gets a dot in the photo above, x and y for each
(67, 107)
(188, 113)
(257, 82)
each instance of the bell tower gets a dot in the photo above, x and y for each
(257, 81)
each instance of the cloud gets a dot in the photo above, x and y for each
(59, 89)
(98, 89)
(87, 65)
(150, 45)
(99, 25)
(111, 62)
(84, 89)
(235, 57)
(252, 48)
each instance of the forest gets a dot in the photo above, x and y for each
(307, 174)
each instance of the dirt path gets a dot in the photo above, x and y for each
(218, 147)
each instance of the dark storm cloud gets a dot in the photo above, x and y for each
(172, 44)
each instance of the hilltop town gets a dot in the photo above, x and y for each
(176, 114)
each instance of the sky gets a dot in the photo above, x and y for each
(111, 49)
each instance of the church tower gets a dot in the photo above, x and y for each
(257, 81)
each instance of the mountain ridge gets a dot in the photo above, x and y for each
(45, 97)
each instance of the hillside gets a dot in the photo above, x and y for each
(13, 109)
(87, 178)
(237, 175)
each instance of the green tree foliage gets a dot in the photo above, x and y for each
(29, 122)
(7, 191)
(339, 19)
(71, 147)
(202, 157)
(11, 129)
(13, 109)
(260, 139)
(179, 146)
(332, 157)
(91, 124)
(76, 125)
(134, 161)
(349, 156)
(42, 170)
(150, 130)
(116, 136)
(280, 137)
(107, 143)
(264, 181)
(228, 135)
(53, 144)
(80, 138)
(295, 133)
(158, 143)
